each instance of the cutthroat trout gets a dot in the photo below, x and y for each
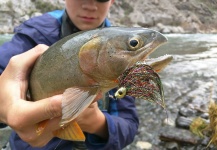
(87, 64)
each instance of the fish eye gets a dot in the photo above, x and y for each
(134, 43)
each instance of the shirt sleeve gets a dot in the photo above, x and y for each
(18, 44)
(122, 121)
(39, 30)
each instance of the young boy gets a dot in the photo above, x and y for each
(113, 128)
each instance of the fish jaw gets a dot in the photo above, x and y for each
(152, 40)
(156, 40)
(159, 63)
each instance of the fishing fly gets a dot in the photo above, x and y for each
(141, 81)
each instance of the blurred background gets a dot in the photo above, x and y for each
(189, 82)
(177, 16)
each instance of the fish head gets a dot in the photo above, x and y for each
(110, 52)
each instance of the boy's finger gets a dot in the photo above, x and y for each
(41, 110)
(28, 58)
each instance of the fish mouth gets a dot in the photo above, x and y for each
(159, 63)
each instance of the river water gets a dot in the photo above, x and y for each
(188, 81)
(193, 70)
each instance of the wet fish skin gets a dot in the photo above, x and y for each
(64, 61)
(86, 64)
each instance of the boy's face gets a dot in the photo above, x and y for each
(87, 14)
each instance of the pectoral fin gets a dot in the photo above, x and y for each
(75, 101)
(71, 132)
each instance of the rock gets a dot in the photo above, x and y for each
(169, 121)
(177, 29)
(165, 30)
(169, 29)
(4, 135)
(183, 122)
(181, 136)
(204, 115)
(156, 2)
(186, 112)
(36, 14)
(172, 146)
(24, 18)
(144, 145)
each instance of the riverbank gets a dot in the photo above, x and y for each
(178, 16)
